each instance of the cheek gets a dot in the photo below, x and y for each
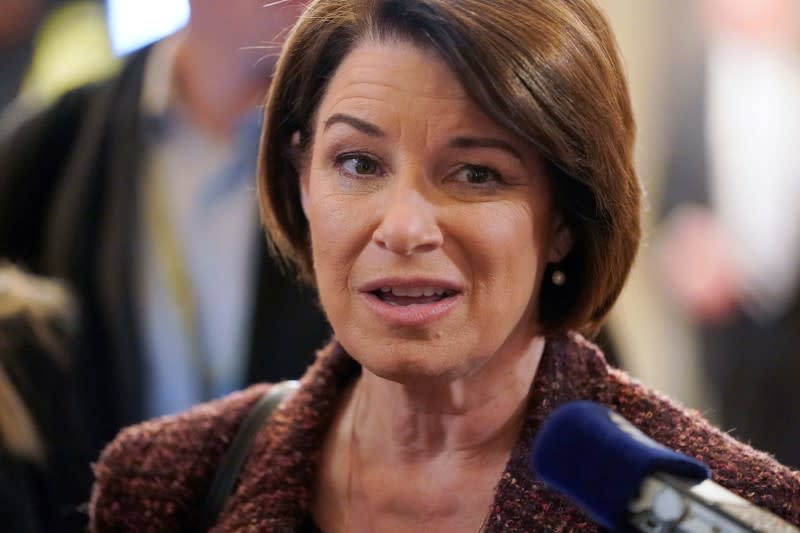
(339, 232)
(330, 228)
(507, 257)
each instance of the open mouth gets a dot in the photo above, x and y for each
(406, 296)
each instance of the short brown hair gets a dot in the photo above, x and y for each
(547, 70)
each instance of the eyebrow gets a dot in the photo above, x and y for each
(459, 142)
(357, 123)
(485, 142)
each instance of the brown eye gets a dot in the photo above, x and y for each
(358, 165)
(478, 175)
(362, 165)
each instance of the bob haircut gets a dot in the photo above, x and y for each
(547, 70)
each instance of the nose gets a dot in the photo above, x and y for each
(408, 223)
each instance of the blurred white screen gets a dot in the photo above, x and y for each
(136, 23)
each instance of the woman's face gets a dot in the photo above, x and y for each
(430, 224)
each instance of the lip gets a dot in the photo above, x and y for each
(412, 315)
(407, 283)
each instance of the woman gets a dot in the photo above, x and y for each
(455, 179)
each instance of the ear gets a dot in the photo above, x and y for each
(562, 240)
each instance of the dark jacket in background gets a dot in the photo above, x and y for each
(154, 477)
(69, 195)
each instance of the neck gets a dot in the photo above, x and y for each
(470, 417)
(218, 82)
(425, 456)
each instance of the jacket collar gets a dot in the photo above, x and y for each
(278, 495)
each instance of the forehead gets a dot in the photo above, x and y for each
(392, 62)
(400, 78)
(396, 73)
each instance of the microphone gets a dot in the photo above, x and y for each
(626, 481)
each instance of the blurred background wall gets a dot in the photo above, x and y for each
(656, 343)
(711, 314)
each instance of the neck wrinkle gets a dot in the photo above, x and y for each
(477, 416)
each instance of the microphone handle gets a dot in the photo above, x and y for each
(667, 504)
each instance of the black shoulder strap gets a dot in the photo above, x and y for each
(233, 460)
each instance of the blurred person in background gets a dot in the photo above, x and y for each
(729, 247)
(139, 192)
(44, 465)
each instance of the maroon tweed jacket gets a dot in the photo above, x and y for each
(154, 476)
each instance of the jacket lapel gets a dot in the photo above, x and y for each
(118, 238)
(277, 495)
(91, 244)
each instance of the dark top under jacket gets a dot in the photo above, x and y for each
(154, 476)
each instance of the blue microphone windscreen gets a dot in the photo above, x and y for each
(599, 460)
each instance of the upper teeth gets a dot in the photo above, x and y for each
(414, 292)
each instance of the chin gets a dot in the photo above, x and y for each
(415, 361)
(410, 375)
